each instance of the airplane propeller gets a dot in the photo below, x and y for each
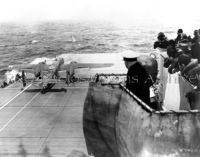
(23, 78)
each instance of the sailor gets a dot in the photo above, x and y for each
(176, 62)
(172, 52)
(191, 70)
(4, 84)
(196, 36)
(195, 45)
(142, 73)
(188, 67)
(18, 77)
(177, 56)
(162, 41)
(179, 36)
(70, 72)
(171, 49)
(23, 78)
(185, 45)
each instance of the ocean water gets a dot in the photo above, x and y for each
(23, 43)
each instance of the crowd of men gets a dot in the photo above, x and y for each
(183, 54)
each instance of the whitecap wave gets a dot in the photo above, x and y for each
(34, 41)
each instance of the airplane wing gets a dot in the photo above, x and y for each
(87, 65)
(27, 70)
(93, 65)
(21, 67)
(32, 71)
(71, 67)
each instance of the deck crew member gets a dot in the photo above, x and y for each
(196, 45)
(180, 35)
(162, 41)
(196, 37)
(185, 45)
(142, 72)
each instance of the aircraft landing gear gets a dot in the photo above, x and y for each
(43, 91)
(47, 87)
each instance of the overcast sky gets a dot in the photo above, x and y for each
(109, 10)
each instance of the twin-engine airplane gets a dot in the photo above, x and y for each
(47, 76)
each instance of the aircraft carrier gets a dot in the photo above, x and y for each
(50, 124)
(35, 124)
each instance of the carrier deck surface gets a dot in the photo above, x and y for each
(35, 124)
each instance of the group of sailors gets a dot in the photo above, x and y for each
(183, 54)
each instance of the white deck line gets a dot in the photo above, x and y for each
(67, 87)
(6, 103)
(18, 112)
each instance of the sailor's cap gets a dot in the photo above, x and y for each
(129, 55)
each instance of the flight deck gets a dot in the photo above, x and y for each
(36, 124)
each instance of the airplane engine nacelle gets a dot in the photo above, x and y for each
(39, 69)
